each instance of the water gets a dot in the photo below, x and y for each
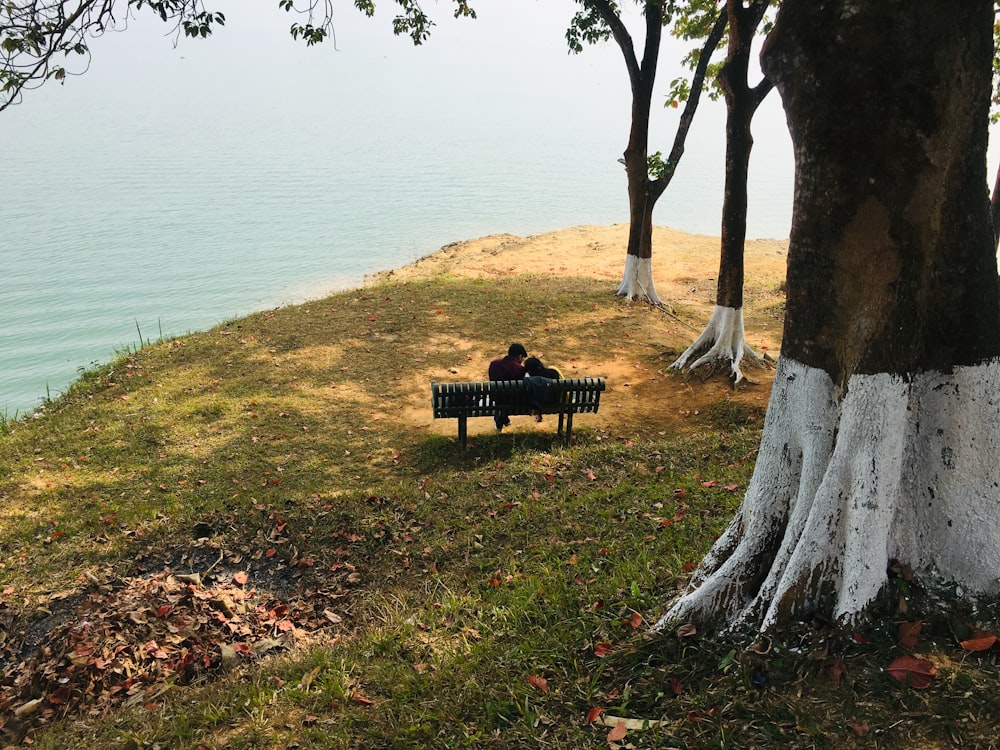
(170, 189)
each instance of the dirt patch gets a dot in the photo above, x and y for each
(684, 271)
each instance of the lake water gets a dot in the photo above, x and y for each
(169, 189)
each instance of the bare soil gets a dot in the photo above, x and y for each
(684, 272)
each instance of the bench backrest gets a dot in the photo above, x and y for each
(576, 395)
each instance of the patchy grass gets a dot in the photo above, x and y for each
(361, 582)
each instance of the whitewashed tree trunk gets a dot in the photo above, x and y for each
(882, 437)
(637, 283)
(846, 483)
(723, 340)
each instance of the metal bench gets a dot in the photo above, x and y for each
(511, 398)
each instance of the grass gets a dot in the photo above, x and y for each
(437, 599)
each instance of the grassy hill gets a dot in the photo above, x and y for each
(257, 537)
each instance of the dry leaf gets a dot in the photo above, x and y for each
(594, 714)
(860, 728)
(540, 683)
(834, 669)
(687, 630)
(979, 641)
(618, 732)
(603, 648)
(908, 632)
(631, 725)
(909, 670)
(307, 679)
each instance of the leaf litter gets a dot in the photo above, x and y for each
(128, 641)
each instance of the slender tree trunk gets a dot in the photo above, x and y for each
(741, 104)
(643, 192)
(882, 434)
(642, 76)
(724, 337)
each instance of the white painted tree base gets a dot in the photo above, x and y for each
(723, 339)
(897, 468)
(637, 282)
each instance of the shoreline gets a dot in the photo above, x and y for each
(684, 269)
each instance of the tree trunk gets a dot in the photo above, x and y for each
(723, 338)
(882, 434)
(643, 192)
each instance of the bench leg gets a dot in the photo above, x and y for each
(561, 415)
(569, 427)
(463, 431)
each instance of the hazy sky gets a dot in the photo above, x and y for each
(505, 71)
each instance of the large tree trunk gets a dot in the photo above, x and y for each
(883, 431)
(723, 338)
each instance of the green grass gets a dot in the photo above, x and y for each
(427, 585)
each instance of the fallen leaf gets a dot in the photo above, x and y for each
(240, 578)
(618, 732)
(909, 670)
(908, 632)
(635, 620)
(860, 728)
(360, 698)
(594, 713)
(307, 679)
(979, 641)
(687, 630)
(540, 683)
(834, 669)
(628, 724)
(603, 648)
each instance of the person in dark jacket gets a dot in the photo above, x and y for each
(510, 367)
(539, 384)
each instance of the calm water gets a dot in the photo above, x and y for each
(170, 189)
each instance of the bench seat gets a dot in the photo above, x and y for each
(511, 398)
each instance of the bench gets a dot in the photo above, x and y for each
(511, 398)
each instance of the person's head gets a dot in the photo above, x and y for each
(533, 365)
(516, 351)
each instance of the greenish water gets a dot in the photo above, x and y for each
(170, 189)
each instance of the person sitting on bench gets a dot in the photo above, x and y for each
(538, 382)
(508, 368)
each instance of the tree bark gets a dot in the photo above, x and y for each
(742, 102)
(724, 337)
(882, 433)
(643, 192)
(889, 264)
